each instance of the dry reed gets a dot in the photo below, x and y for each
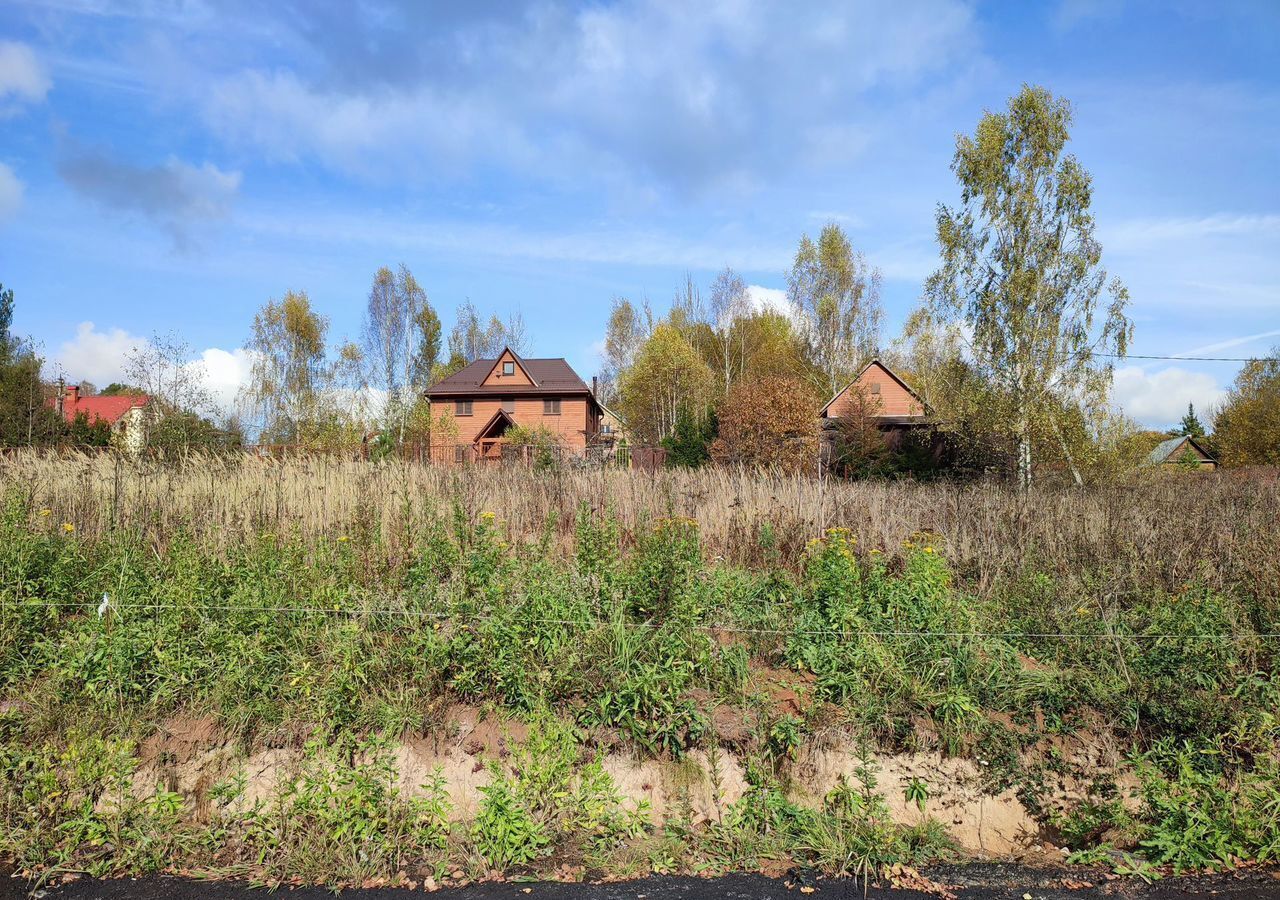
(1158, 533)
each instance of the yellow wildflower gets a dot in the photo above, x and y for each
(488, 516)
(928, 549)
(46, 512)
(343, 539)
(68, 527)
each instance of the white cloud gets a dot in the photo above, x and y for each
(765, 299)
(22, 78)
(226, 372)
(100, 356)
(96, 356)
(1159, 399)
(10, 193)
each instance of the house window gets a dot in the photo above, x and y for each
(508, 368)
(460, 453)
(551, 407)
(462, 407)
(606, 428)
(875, 387)
(509, 404)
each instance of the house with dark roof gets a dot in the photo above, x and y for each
(490, 396)
(877, 398)
(1182, 451)
(880, 395)
(125, 413)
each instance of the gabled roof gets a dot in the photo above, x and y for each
(518, 361)
(892, 374)
(1165, 449)
(107, 409)
(497, 417)
(550, 376)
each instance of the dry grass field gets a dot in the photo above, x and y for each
(1155, 533)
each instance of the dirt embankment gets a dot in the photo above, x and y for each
(982, 816)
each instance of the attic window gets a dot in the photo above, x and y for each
(462, 407)
(875, 387)
(508, 368)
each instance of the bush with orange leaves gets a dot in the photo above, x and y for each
(769, 422)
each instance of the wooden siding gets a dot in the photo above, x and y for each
(1203, 460)
(893, 399)
(519, 378)
(572, 425)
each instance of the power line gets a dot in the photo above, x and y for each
(604, 623)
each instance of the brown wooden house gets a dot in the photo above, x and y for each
(489, 396)
(877, 399)
(1182, 452)
(878, 392)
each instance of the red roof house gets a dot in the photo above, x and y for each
(123, 412)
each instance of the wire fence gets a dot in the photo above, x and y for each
(108, 608)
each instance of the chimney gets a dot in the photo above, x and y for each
(594, 379)
(73, 394)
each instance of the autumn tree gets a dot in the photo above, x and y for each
(666, 375)
(401, 344)
(25, 418)
(167, 370)
(1021, 273)
(626, 331)
(835, 294)
(474, 338)
(299, 394)
(729, 305)
(6, 318)
(1246, 429)
(769, 423)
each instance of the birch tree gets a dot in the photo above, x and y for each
(1021, 274)
(667, 376)
(626, 331)
(290, 370)
(729, 305)
(835, 294)
(385, 341)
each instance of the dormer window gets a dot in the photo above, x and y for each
(508, 368)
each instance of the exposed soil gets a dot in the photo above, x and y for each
(988, 821)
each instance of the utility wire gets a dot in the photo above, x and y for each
(604, 623)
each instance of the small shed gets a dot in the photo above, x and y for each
(1183, 451)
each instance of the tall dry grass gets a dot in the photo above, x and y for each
(1158, 533)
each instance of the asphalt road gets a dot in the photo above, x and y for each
(988, 882)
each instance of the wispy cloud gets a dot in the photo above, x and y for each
(23, 79)
(174, 195)
(1142, 232)
(11, 191)
(1219, 346)
(673, 95)
(612, 242)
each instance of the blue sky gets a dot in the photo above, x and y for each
(170, 166)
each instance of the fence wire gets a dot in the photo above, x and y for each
(118, 610)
